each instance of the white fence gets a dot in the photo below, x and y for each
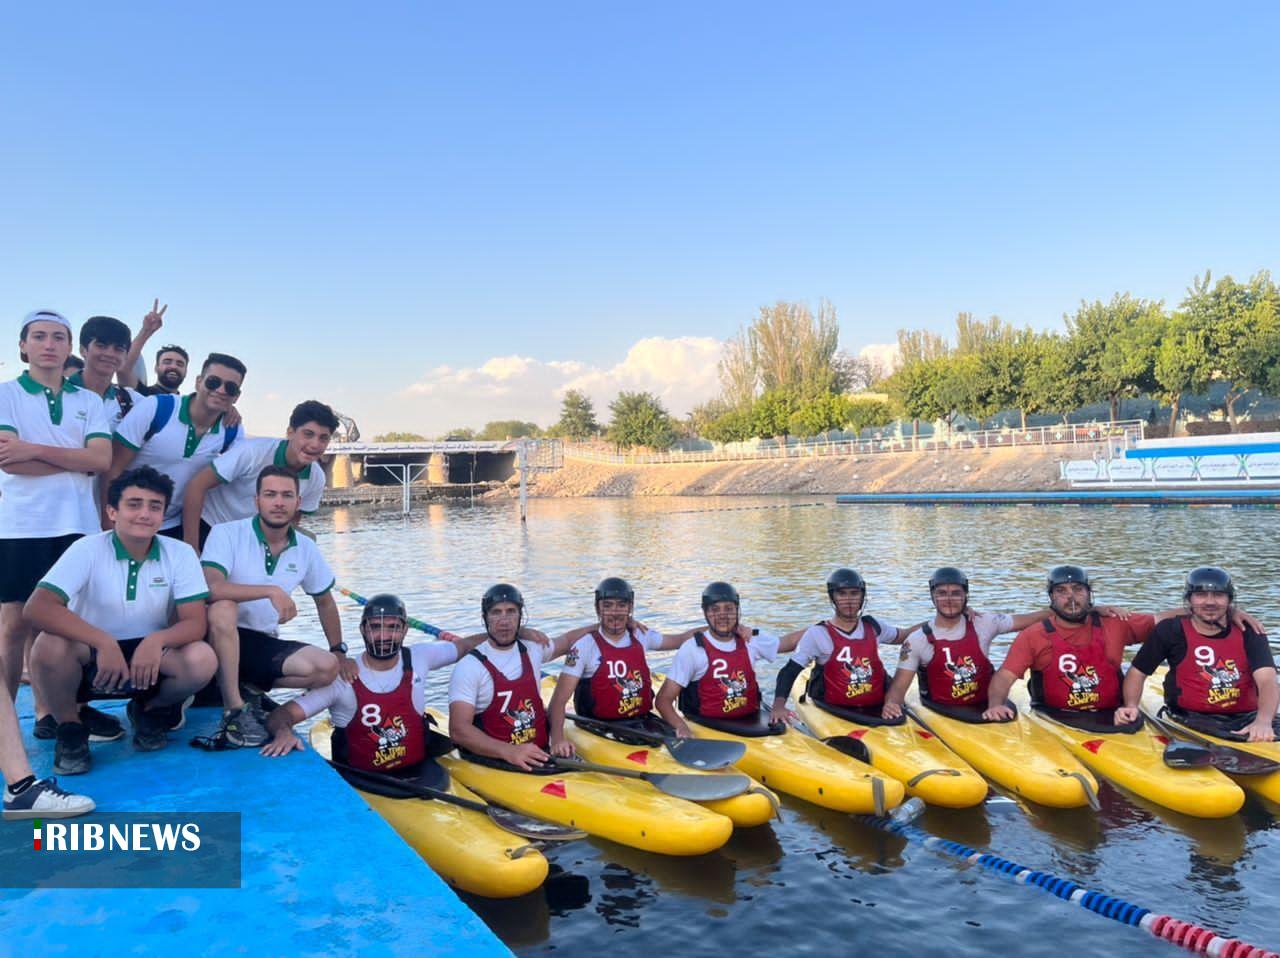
(1120, 435)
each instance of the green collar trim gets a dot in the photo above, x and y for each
(282, 460)
(193, 437)
(270, 560)
(131, 582)
(53, 399)
(78, 380)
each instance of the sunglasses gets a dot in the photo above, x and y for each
(213, 383)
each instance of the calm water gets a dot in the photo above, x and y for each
(820, 879)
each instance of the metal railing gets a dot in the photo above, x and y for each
(1120, 434)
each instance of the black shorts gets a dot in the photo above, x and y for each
(261, 663)
(89, 674)
(176, 532)
(24, 562)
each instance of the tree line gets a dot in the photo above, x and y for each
(784, 375)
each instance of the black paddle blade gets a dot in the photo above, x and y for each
(534, 828)
(706, 754)
(1182, 754)
(699, 788)
(1238, 762)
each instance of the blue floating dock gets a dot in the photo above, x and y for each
(322, 874)
(1091, 497)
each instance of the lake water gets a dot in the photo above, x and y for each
(818, 880)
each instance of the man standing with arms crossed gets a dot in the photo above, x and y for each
(252, 567)
(53, 438)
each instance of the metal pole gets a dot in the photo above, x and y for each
(404, 489)
(524, 483)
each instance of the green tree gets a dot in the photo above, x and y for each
(1241, 323)
(639, 419)
(732, 425)
(914, 388)
(1007, 372)
(1057, 382)
(1116, 345)
(976, 335)
(863, 412)
(919, 346)
(577, 417)
(399, 437)
(1183, 363)
(508, 429)
(771, 414)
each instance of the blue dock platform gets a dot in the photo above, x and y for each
(322, 874)
(1264, 498)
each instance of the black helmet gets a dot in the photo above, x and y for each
(1064, 574)
(500, 593)
(383, 605)
(1209, 578)
(844, 579)
(719, 592)
(615, 588)
(949, 575)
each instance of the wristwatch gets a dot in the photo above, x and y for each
(339, 649)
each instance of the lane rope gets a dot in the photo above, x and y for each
(1187, 934)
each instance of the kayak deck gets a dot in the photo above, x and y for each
(462, 846)
(1017, 755)
(1135, 761)
(622, 810)
(909, 753)
(756, 806)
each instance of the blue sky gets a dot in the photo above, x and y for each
(435, 215)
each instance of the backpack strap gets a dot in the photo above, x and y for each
(163, 413)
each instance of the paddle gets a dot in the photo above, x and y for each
(706, 754)
(504, 818)
(1199, 752)
(412, 622)
(693, 788)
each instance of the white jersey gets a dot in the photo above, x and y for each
(917, 653)
(583, 658)
(175, 449)
(470, 681)
(237, 471)
(816, 645)
(691, 662)
(340, 698)
(105, 586)
(62, 504)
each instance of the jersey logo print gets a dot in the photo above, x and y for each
(629, 688)
(964, 677)
(1224, 682)
(735, 691)
(388, 741)
(521, 719)
(858, 675)
(1083, 687)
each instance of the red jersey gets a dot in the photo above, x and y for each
(515, 714)
(620, 687)
(387, 732)
(728, 689)
(853, 675)
(959, 672)
(1079, 678)
(1214, 675)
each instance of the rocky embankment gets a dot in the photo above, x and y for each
(1018, 469)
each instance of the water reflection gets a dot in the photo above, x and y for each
(873, 889)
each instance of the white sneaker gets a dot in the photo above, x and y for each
(45, 799)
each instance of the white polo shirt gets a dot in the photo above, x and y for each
(917, 653)
(111, 407)
(237, 471)
(816, 644)
(690, 663)
(583, 658)
(176, 450)
(470, 681)
(340, 698)
(39, 507)
(101, 583)
(239, 551)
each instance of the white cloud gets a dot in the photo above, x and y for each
(885, 354)
(682, 372)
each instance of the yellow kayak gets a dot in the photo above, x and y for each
(755, 807)
(623, 810)
(1017, 755)
(907, 752)
(1266, 786)
(1135, 761)
(806, 768)
(462, 846)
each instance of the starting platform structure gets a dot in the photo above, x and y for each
(406, 463)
